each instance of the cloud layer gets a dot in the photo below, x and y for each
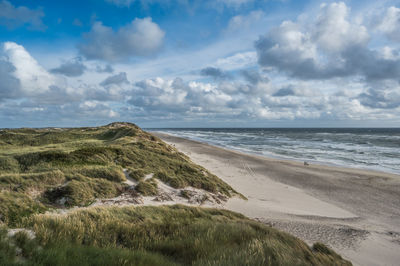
(331, 65)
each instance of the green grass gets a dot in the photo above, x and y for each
(136, 174)
(168, 235)
(75, 166)
(14, 206)
(21, 250)
(147, 188)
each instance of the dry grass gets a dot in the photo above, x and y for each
(179, 234)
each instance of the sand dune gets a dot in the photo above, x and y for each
(354, 211)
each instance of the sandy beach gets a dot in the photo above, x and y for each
(356, 212)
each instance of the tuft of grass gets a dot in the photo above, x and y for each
(8, 164)
(147, 188)
(7, 249)
(15, 206)
(82, 191)
(176, 234)
(25, 182)
(111, 173)
(136, 174)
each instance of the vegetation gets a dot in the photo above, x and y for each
(147, 187)
(53, 167)
(45, 169)
(168, 235)
(136, 174)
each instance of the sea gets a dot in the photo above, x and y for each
(366, 148)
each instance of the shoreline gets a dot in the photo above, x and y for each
(283, 158)
(354, 211)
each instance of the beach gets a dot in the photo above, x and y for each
(354, 211)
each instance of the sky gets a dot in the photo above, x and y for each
(200, 63)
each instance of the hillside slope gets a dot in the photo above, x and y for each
(58, 168)
(46, 172)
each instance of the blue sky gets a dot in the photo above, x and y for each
(221, 63)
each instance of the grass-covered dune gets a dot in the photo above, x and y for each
(42, 170)
(50, 167)
(168, 235)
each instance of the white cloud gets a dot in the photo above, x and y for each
(142, 37)
(32, 77)
(334, 32)
(390, 23)
(95, 108)
(330, 46)
(25, 79)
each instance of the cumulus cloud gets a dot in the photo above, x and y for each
(172, 99)
(142, 37)
(333, 46)
(334, 32)
(95, 108)
(254, 97)
(195, 100)
(390, 23)
(72, 68)
(14, 17)
(32, 77)
(25, 79)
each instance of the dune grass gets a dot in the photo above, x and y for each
(147, 187)
(14, 206)
(75, 166)
(168, 235)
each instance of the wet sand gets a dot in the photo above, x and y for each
(356, 212)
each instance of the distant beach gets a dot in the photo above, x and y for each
(355, 211)
(364, 148)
